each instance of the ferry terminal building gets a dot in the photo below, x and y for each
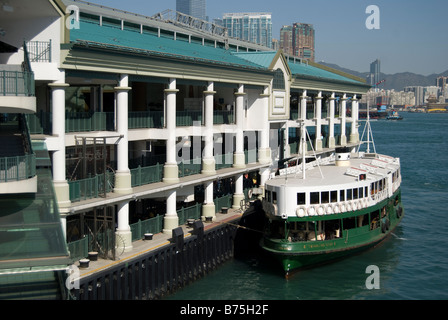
(127, 118)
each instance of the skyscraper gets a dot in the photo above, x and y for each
(303, 40)
(286, 39)
(195, 8)
(298, 40)
(375, 69)
(253, 27)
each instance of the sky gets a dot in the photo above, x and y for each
(412, 35)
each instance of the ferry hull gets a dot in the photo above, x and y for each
(305, 254)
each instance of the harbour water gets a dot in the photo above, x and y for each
(413, 263)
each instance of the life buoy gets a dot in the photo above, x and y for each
(349, 206)
(329, 209)
(321, 210)
(311, 211)
(354, 205)
(342, 207)
(301, 212)
(336, 208)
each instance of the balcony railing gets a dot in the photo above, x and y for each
(16, 83)
(39, 51)
(17, 168)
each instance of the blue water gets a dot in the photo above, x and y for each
(413, 263)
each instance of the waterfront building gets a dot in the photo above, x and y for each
(194, 8)
(255, 27)
(112, 119)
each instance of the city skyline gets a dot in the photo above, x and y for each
(410, 38)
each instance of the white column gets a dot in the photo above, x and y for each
(123, 174)
(60, 184)
(171, 220)
(208, 207)
(123, 229)
(303, 105)
(303, 118)
(208, 160)
(354, 136)
(171, 174)
(331, 140)
(264, 151)
(239, 194)
(318, 144)
(239, 160)
(343, 116)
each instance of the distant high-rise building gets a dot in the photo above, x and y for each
(375, 70)
(253, 27)
(298, 40)
(303, 40)
(194, 8)
(286, 39)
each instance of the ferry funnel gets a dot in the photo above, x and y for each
(342, 157)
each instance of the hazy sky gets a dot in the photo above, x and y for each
(412, 36)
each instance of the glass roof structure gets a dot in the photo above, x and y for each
(31, 234)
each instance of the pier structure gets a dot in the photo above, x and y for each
(139, 125)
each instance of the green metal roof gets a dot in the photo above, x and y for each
(297, 68)
(129, 39)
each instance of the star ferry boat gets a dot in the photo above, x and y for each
(333, 206)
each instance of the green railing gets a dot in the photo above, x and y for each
(146, 175)
(145, 119)
(251, 156)
(223, 117)
(39, 51)
(16, 83)
(224, 161)
(224, 201)
(186, 118)
(153, 225)
(193, 212)
(90, 188)
(85, 121)
(79, 249)
(17, 168)
(190, 167)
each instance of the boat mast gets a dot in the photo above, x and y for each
(304, 147)
(368, 130)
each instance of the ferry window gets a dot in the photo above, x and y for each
(325, 197)
(355, 193)
(341, 195)
(349, 194)
(274, 197)
(360, 192)
(334, 196)
(301, 198)
(366, 192)
(314, 197)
